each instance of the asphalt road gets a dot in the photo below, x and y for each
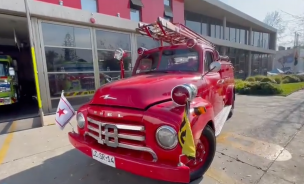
(262, 143)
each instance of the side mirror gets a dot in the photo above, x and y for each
(215, 66)
(11, 71)
(119, 54)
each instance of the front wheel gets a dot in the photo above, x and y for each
(205, 151)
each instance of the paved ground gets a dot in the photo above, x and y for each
(262, 143)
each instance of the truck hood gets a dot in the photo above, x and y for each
(142, 90)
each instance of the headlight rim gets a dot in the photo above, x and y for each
(170, 128)
(84, 120)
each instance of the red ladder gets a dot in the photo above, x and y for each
(173, 33)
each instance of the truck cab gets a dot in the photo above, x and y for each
(137, 123)
(8, 81)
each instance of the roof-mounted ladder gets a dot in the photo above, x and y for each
(172, 33)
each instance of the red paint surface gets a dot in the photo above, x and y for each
(112, 7)
(152, 10)
(178, 11)
(68, 3)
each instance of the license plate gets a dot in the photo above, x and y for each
(103, 158)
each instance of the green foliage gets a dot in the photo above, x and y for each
(301, 77)
(259, 77)
(291, 79)
(250, 79)
(277, 78)
(268, 79)
(261, 88)
(239, 85)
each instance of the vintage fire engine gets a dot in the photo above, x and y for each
(133, 123)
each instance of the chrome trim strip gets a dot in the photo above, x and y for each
(123, 136)
(121, 145)
(124, 127)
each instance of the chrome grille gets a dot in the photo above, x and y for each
(115, 136)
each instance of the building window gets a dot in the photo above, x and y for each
(135, 15)
(146, 42)
(167, 3)
(107, 43)
(69, 62)
(89, 5)
(135, 10)
(194, 26)
(168, 14)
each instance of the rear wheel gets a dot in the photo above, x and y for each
(205, 151)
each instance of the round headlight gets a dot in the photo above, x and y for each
(166, 137)
(80, 120)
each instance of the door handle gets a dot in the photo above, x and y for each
(221, 81)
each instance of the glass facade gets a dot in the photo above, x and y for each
(76, 58)
(212, 27)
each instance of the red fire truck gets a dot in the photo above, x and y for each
(133, 123)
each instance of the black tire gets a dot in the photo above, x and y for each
(208, 132)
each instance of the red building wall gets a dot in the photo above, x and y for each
(69, 3)
(178, 11)
(151, 10)
(112, 7)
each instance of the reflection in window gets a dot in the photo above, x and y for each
(227, 33)
(232, 35)
(256, 38)
(68, 59)
(73, 84)
(265, 40)
(89, 5)
(205, 29)
(195, 26)
(108, 63)
(66, 36)
(114, 76)
(135, 15)
(167, 2)
(237, 35)
(218, 31)
(112, 40)
(212, 31)
(242, 36)
(147, 42)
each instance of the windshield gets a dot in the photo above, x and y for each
(3, 69)
(169, 60)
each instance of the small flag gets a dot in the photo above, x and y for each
(64, 113)
(185, 137)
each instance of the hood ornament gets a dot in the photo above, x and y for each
(106, 97)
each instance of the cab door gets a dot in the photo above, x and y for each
(214, 83)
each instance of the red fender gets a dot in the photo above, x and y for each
(198, 123)
(230, 95)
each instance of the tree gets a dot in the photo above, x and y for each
(274, 19)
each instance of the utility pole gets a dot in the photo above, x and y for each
(29, 25)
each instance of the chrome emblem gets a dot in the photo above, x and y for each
(107, 97)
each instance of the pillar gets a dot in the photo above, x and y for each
(249, 63)
(224, 35)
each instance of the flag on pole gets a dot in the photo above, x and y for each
(185, 137)
(64, 113)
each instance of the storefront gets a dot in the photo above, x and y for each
(74, 59)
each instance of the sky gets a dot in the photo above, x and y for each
(259, 9)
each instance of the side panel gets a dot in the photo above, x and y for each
(68, 3)
(199, 122)
(112, 7)
(178, 11)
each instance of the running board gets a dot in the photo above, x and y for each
(221, 118)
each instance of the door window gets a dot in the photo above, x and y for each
(208, 60)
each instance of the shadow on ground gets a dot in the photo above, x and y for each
(71, 167)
